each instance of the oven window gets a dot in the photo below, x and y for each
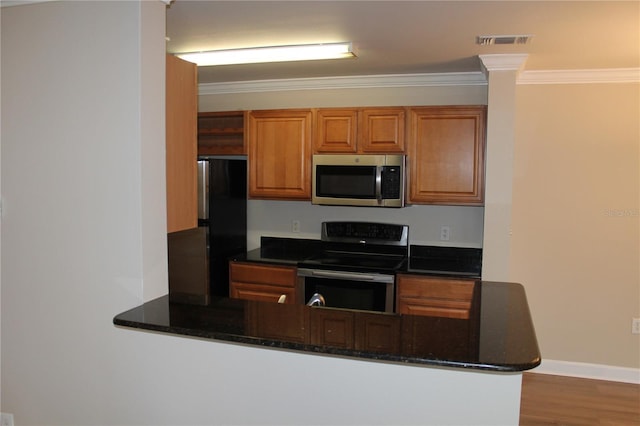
(346, 181)
(347, 294)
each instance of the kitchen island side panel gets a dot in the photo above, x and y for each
(252, 386)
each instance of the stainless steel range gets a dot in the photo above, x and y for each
(356, 267)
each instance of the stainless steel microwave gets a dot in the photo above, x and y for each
(358, 180)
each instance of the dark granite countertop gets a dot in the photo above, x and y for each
(499, 335)
(423, 260)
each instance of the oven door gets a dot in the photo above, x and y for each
(350, 290)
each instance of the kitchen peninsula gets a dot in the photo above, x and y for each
(475, 363)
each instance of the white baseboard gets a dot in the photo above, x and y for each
(589, 371)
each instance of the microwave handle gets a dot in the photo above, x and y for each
(379, 184)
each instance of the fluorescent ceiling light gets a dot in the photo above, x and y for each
(303, 52)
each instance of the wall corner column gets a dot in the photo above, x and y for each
(502, 72)
(152, 149)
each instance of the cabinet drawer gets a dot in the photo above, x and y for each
(261, 293)
(438, 288)
(436, 297)
(426, 308)
(270, 275)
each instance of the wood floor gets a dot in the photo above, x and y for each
(569, 401)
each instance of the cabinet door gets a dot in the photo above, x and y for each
(280, 154)
(382, 130)
(276, 321)
(378, 333)
(336, 130)
(433, 296)
(329, 327)
(181, 144)
(262, 282)
(446, 155)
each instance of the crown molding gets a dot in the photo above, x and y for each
(352, 82)
(503, 62)
(614, 75)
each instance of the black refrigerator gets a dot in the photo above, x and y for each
(199, 257)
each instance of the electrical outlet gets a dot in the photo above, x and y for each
(635, 325)
(6, 419)
(445, 233)
(295, 226)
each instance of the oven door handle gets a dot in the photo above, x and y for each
(339, 275)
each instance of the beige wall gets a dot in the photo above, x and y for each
(575, 223)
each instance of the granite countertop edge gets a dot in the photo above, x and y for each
(327, 350)
(322, 350)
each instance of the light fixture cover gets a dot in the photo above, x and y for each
(302, 52)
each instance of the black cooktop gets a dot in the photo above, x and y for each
(360, 247)
(369, 247)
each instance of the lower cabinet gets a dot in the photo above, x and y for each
(330, 327)
(266, 283)
(363, 332)
(277, 321)
(378, 333)
(434, 296)
(424, 296)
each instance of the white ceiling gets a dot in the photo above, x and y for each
(408, 37)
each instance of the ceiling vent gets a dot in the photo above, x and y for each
(487, 40)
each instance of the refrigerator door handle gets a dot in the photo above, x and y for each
(203, 190)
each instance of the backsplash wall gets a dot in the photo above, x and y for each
(274, 218)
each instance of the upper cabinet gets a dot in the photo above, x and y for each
(221, 133)
(360, 130)
(382, 130)
(336, 130)
(181, 144)
(279, 154)
(446, 155)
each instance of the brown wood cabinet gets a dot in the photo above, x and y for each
(360, 130)
(181, 145)
(364, 332)
(280, 154)
(446, 153)
(434, 296)
(336, 130)
(221, 133)
(382, 130)
(378, 333)
(252, 281)
(331, 328)
(276, 321)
